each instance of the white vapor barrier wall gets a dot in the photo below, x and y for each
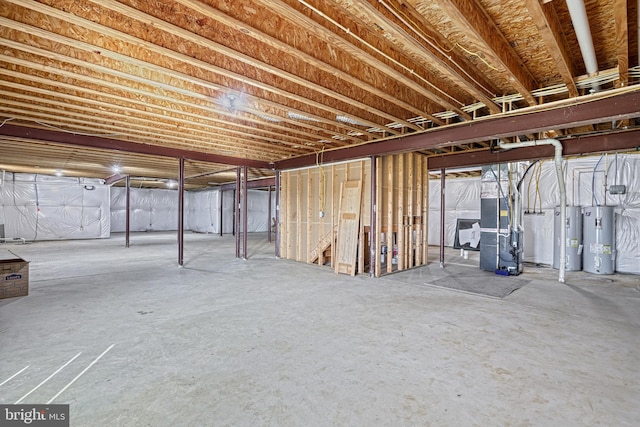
(204, 211)
(43, 207)
(540, 196)
(157, 210)
(150, 209)
(462, 200)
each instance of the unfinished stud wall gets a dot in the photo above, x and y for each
(306, 236)
(402, 196)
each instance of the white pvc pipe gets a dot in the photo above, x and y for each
(578, 14)
(563, 192)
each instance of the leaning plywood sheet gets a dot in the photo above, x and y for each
(348, 224)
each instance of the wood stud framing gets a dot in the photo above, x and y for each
(400, 227)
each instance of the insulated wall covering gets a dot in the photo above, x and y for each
(204, 211)
(586, 179)
(42, 207)
(150, 209)
(157, 210)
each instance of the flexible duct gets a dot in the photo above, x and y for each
(563, 192)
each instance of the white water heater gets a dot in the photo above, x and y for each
(573, 238)
(599, 252)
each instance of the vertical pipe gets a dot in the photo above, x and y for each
(278, 195)
(127, 218)
(269, 217)
(442, 180)
(578, 14)
(236, 213)
(562, 189)
(181, 215)
(220, 216)
(244, 211)
(372, 219)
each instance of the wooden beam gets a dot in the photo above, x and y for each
(466, 78)
(545, 18)
(183, 59)
(622, 41)
(333, 39)
(304, 58)
(481, 27)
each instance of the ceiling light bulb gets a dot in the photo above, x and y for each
(58, 172)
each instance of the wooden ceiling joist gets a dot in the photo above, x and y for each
(547, 22)
(37, 134)
(493, 43)
(598, 109)
(277, 81)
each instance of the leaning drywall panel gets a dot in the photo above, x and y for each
(42, 207)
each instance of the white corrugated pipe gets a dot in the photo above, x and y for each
(578, 14)
(563, 192)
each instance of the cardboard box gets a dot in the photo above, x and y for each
(14, 276)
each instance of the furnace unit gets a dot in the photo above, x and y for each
(501, 233)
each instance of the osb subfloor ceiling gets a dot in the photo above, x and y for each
(267, 80)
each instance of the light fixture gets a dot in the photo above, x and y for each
(171, 183)
(58, 172)
(116, 168)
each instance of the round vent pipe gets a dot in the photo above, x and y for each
(578, 14)
(561, 186)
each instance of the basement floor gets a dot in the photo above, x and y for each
(129, 339)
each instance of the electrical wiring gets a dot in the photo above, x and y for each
(538, 195)
(6, 120)
(433, 43)
(504, 197)
(323, 180)
(519, 185)
(594, 198)
(378, 51)
(76, 133)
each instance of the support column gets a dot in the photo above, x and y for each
(236, 213)
(181, 215)
(278, 177)
(244, 211)
(372, 221)
(269, 217)
(127, 218)
(220, 216)
(442, 228)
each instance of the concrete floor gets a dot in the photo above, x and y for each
(268, 342)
